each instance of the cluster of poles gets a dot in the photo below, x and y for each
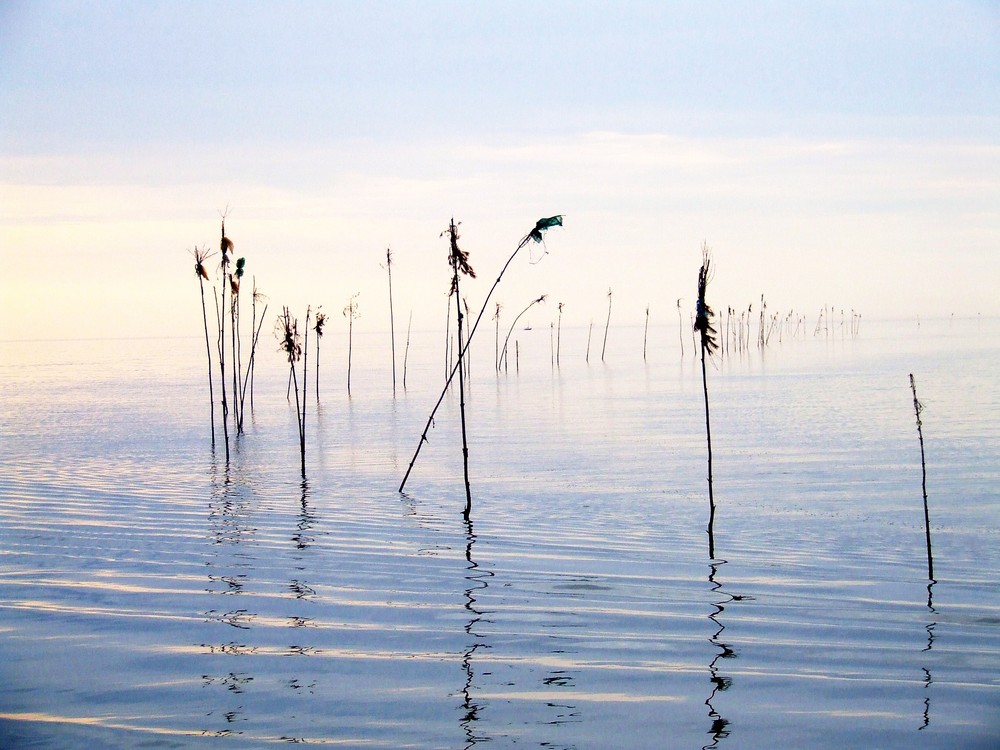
(294, 339)
(735, 336)
(236, 379)
(234, 398)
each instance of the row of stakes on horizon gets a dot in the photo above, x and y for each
(295, 346)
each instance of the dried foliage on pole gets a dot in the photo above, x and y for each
(534, 235)
(709, 344)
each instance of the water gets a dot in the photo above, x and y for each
(153, 596)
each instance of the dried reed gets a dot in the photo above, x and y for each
(287, 332)
(459, 260)
(318, 327)
(226, 246)
(534, 235)
(709, 345)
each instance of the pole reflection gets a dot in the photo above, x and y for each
(307, 519)
(304, 595)
(928, 678)
(478, 582)
(720, 726)
(231, 528)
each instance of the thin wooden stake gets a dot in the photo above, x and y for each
(917, 409)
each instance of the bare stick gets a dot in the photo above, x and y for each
(606, 325)
(917, 409)
(305, 391)
(496, 340)
(200, 256)
(680, 326)
(531, 304)
(447, 339)
(250, 364)
(559, 333)
(406, 351)
(467, 357)
(392, 324)
(350, 312)
(234, 333)
(250, 367)
(645, 334)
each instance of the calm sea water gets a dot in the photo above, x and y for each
(153, 594)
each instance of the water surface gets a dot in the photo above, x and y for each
(153, 594)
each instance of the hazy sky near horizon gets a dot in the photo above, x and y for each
(843, 153)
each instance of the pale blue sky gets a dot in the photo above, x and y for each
(843, 153)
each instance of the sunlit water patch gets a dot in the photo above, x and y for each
(154, 594)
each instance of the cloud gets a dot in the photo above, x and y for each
(804, 221)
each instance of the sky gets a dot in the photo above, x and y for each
(829, 153)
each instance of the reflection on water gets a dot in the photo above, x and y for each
(229, 567)
(928, 679)
(720, 726)
(307, 519)
(151, 592)
(478, 579)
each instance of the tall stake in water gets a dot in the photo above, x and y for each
(226, 246)
(459, 260)
(237, 349)
(200, 256)
(536, 301)
(917, 409)
(257, 296)
(680, 326)
(318, 327)
(406, 349)
(496, 339)
(350, 312)
(255, 337)
(287, 331)
(535, 234)
(559, 333)
(607, 324)
(645, 334)
(703, 324)
(392, 325)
